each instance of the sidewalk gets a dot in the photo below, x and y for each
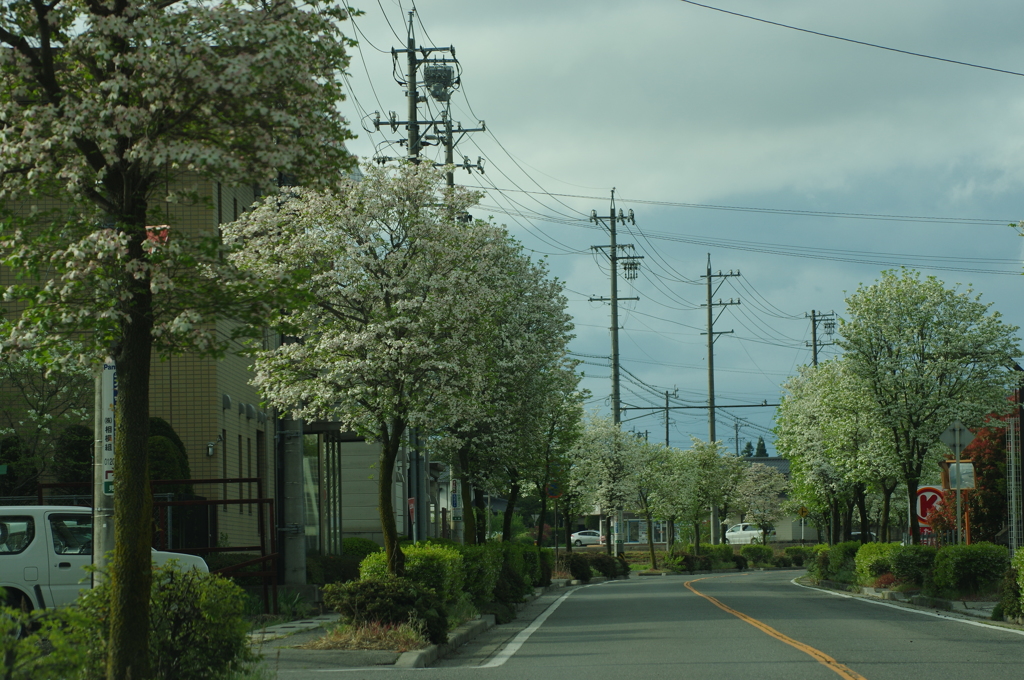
(278, 644)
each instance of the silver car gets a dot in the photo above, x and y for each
(586, 537)
(743, 534)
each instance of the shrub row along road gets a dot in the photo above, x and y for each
(734, 626)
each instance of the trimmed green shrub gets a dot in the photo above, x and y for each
(799, 554)
(782, 561)
(603, 563)
(681, 561)
(197, 626)
(1009, 605)
(740, 561)
(359, 547)
(874, 560)
(434, 566)
(757, 554)
(481, 565)
(513, 584)
(969, 569)
(531, 565)
(842, 561)
(39, 645)
(577, 564)
(911, 563)
(820, 563)
(390, 601)
(547, 565)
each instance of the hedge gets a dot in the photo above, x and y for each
(969, 569)
(434, 566)
(912, 563)
(389, 600)
(799, 554)
(874, 560)
(481, 565)
(757, 554)
(841, 561)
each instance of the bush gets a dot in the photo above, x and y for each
(36, 646)
(513, 584)
(874, 560)
(434, 566)
(359, 547)
(819, 568)
(390, 601)
(782, 561)
(969, 569)
(681, 561)
(481, 565)
(911, 563)
(1009, 605)
(547, 565)
(740, 561)
(577, 564)
(603, 563)
(798, 554)
(197, 626)
(531, 565)
(757, 554)
(842, 561)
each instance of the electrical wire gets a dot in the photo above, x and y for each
(855, 42)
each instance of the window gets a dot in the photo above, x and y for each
(72, 534)
(16, 533)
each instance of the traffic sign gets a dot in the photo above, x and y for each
(928, 498)
(553, 490)
(803, 512)
(957, 437)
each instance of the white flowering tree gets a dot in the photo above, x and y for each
(839, 452)
(762, 493)
(106, 104)
(403, 303)
(697, 478)
(927, 356)
(602, 455)
(647, 466)
(36, 405)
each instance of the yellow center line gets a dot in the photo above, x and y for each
(820, 657)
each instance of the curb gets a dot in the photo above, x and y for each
(420, 658)
(936, 603)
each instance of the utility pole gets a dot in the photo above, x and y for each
(630, 268)
(712, 333)
(440, 77)
(829, 322)
(712, 435)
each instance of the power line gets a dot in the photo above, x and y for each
(855, 42)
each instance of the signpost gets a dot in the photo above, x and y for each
(105, 424)
(957, 437)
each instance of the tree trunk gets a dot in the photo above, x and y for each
(650, 540)
(915, 528)
(862, 507)
(696, 537)
(131, 573)
(883, 524)
(568, 527)
(391, 440)
(466, 489)
(480, 505)
(506, 524)
(848, 520)
(833, 534)
(543, 514)
(608, 534)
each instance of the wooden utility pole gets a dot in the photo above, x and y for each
(712, 334)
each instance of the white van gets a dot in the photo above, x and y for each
(44, 550)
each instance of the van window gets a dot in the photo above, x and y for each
(72, 533)
(16, 533)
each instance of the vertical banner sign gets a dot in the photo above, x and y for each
(108, 395)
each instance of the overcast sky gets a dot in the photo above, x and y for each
(679, 106)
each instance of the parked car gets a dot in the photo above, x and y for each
(743, 534)
(44, 549)
(586, 537)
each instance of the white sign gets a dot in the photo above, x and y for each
(108, 401)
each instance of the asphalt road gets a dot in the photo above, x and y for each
(758, 626)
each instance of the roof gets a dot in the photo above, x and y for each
(774, 462)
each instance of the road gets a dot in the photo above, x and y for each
(734, 626)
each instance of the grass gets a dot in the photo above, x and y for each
(398, 638)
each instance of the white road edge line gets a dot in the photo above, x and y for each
(936, 615)
(519, 640)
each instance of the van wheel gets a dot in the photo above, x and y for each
(578, 543)
(755, 540)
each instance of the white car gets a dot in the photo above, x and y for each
(44, 549)
(743, 534)
(586, 537)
